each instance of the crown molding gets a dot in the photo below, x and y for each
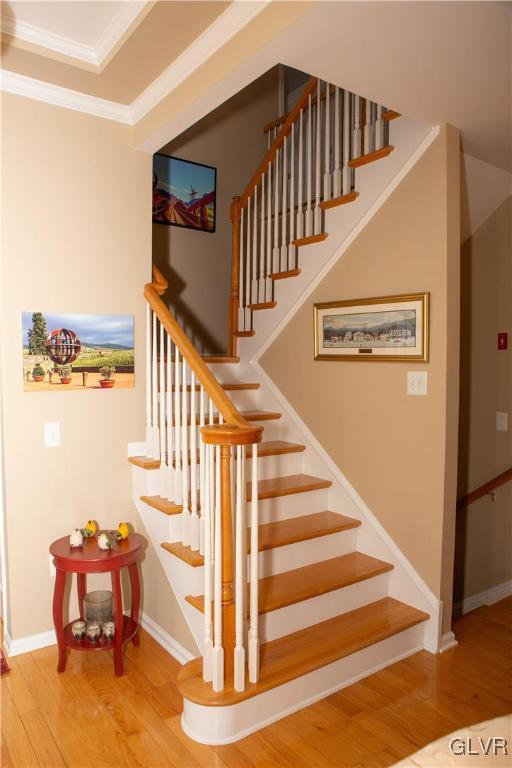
(228, 24)
(20, 85)
(92, 55)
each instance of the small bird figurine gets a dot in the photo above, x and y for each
(123, 530)
(104, 542)
(90, 529)
(76, 539)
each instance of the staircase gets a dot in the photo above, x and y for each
(290, 587)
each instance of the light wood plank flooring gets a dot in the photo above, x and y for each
(88, 717)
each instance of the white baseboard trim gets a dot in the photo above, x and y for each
(448, 640)
(163, 638)
(29, 643)
(488, 597)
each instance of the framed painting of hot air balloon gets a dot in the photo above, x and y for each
(63, 352)
(184, 193)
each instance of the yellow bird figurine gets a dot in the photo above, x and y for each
(91, 528)
(123, 530)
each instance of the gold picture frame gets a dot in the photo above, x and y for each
(383, 329)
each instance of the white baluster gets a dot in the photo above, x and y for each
(346, 175)
(284, 210)
(240, 535)
(162, 480)
(203, 485)
(185, 465)
(292, 249)
(249, 255)
(379, 128)
(318, 210)
(206, 515)
(327, 147)
(275, 251)
(263, 241)
(336, 177)
(149, 423)
(178, 485)
(254, 662)
(255, 252)
(268, 284)
(194, 517)
(368, 134)
(308, 218)
(218, 650)
(300, 192)
(154, 386)
(169, 426)
(356, 141)
(241, 280)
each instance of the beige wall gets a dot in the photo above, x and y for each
(484, 530)
(392, 447)
(76, 238)
(198, 264)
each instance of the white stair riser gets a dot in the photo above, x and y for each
(309, 612)
(281, 559)
(294, 505)
(224, 725)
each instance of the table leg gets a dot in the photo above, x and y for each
(58, 621)
(81, 586)
(135, 590)
(118, 621)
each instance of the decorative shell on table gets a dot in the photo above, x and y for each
(76, 539)
(104, 542)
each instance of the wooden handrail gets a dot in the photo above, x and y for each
(279, 140)
(152, 293)
(486, 488)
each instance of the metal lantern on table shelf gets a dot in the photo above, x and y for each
(62, 346)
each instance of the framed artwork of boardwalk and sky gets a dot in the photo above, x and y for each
(383, 329)
(183, 193)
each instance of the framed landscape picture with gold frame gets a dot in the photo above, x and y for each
(383, 329)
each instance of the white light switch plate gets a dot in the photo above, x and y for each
(416, 382)
(501, 421)
(52, 434)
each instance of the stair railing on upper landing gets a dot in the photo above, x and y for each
(309, 166)
(200, 439)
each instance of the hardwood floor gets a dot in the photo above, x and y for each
(88, 717)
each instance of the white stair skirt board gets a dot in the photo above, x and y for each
(224, 725)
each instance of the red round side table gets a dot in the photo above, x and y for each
(91, 559)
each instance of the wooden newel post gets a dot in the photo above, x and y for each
(235, 273)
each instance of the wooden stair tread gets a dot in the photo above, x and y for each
(390, 114)
(267, 489)
(216, 359)
(279, 534)
(285, 275)
(335, 201)
(370, 157)
(287, 485)
(244, 334)
(292, 587)
(266, 448)
(307, 650)
(262, 305)
(252, 415)
(167, 507)
(310, 240)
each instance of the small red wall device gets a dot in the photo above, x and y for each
(503, 340)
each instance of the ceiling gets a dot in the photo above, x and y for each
(433, 61)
